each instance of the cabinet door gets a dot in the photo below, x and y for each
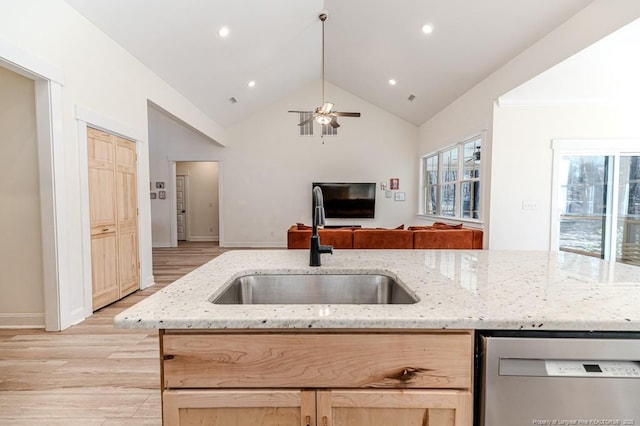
(239, 408)
(394, 407)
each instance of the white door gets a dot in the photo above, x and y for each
(181, 207)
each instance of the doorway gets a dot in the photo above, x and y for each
(598, 197)
(197, 201)
(21, 254)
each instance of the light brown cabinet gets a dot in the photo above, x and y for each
(113, 216)
(317, 379)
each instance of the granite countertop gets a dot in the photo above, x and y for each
(458, 289)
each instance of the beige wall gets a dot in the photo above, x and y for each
(21, 289)
(170, 140)
(268, 168)
(202, 199)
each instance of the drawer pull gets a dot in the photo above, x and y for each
(307, 420)
(105, 229)
(325, 421)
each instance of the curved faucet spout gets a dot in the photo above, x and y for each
(318, 209)
(318, 220)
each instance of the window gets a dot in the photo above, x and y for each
(599, 206)
(307, 128)
(596, 199)
(451, 181)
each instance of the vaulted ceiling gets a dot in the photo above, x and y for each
(277, 44)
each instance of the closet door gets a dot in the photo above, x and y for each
(102, 208)
(113, 215)
(128, 265)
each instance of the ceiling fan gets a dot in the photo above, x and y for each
(325, 114)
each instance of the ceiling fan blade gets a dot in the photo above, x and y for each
(346, 114)
(306, 112)
(334, 123)
(302, 123)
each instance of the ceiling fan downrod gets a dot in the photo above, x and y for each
(323, 17)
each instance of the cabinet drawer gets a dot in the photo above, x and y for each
(412, 360)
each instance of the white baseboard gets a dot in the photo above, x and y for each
(77, 316)
(255, 244)
(202, 238)
(162, 244)
(22, 320)
(147, 282)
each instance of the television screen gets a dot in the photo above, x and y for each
(348, 200)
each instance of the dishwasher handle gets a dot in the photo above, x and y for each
(569, 368)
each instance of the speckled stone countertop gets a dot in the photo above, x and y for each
(457, 289)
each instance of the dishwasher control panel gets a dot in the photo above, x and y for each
(582, 368)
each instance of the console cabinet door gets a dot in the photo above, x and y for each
(394, 407)
(239, 408)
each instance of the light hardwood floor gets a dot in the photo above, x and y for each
(92, 374)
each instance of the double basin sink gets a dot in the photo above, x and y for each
(286, 289)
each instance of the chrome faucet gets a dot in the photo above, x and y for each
(318, 219)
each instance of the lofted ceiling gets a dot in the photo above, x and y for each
(277, 44)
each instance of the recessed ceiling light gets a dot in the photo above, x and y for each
(251, 83)
(427, 28)
(392, 82)
(223, 31)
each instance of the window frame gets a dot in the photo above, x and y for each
(612, 148)
(426, 186)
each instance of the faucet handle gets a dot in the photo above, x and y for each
(326, 249)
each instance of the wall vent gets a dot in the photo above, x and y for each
(328, 130)
(306, 129)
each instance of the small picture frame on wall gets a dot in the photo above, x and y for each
(394, 183)
(159, 185)
(153, 195)
(162, 195)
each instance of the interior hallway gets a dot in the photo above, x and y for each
(92, 374)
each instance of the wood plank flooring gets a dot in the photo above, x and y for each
(92, 374)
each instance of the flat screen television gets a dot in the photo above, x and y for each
(348, 200)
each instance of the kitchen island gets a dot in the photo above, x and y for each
(366, 364)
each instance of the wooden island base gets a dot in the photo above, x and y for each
(323, 378)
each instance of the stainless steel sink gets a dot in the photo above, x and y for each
(286, 289)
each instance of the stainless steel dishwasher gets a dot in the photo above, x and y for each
(559, 381)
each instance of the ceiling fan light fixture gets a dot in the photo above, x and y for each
(326, 108)
(323, 119)
(324, 114)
